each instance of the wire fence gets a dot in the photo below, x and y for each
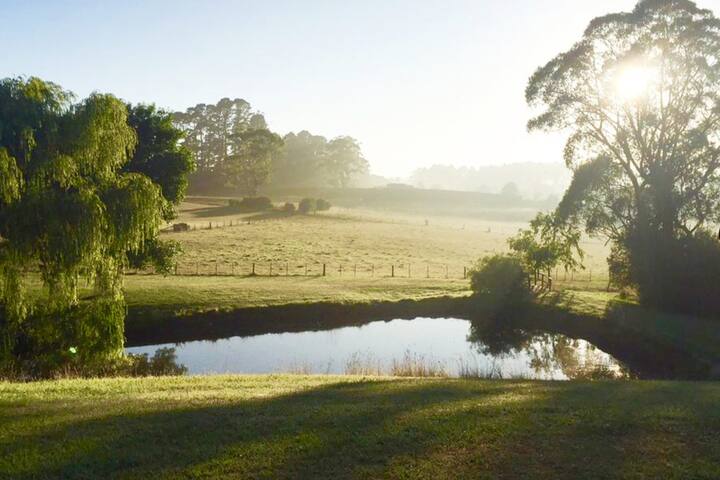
(224, 268)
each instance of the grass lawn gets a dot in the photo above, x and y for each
(351, 427)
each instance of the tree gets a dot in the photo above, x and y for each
(547, 244)
(510, 190)
(639, 95)
(249, 167)
(343, 159)
(160, 153)
(213, 135)
(301, 161)
(69, 210)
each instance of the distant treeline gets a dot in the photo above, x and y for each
(234, 148)
(532, 179)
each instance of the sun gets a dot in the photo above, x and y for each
(632, 83)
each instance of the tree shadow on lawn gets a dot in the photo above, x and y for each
(381, 429)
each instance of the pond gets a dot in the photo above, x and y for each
(448, 346)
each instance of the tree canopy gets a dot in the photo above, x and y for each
(71, 210)
(639, 95)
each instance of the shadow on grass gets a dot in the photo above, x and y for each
(401, 429)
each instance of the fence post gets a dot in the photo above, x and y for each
(392, 271)
(341, 269)
(253, 268)
(324, 269)
(209, 225)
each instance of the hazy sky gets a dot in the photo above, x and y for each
(417, 82)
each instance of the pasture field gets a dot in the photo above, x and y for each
(361, 250)
(287, 426)
(346, 237)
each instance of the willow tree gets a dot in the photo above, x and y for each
(69, 212)
(639, 96)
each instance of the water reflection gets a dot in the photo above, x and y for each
(419, 347)
(548, 352)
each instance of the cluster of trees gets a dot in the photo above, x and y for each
(84, 188)
(234, 148)
(640, 95)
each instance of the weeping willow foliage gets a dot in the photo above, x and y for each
(69, 211)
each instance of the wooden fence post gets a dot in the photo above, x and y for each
(464, 272)
(324, 269)
(253, 268)
(392, 271)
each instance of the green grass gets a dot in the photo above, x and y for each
(350, 427)
(172, 296)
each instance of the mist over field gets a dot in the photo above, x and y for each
(407, 239)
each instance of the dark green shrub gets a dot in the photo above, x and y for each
(322, 205)
(289, 207)
(251, 204)
(307, 205)
(501, 280)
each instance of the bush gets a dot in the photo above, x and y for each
(181, 227)
(289, 207)
(322, 205)
(679, 275)
(307, 205)
(251, 204)
(501, 280)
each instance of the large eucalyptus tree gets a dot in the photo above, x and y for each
(69, 211)
(639, 96)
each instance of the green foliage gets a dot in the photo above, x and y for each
(647, 165)
(547, 244)
(502, 281)
(312, 160)
(162, 363)
(289, 207)
(307, 205)
(69, 209)
(250, 204)
(160, 154)
(156, 253)
(249, 167)
(322, 205)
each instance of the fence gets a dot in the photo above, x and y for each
(221, 268)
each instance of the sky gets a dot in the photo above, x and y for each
(417, 82)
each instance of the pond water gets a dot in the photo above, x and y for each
(453, 346)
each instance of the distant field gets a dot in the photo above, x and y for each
(357, 427)
(362, 243)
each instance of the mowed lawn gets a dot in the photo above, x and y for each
(350, 427)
